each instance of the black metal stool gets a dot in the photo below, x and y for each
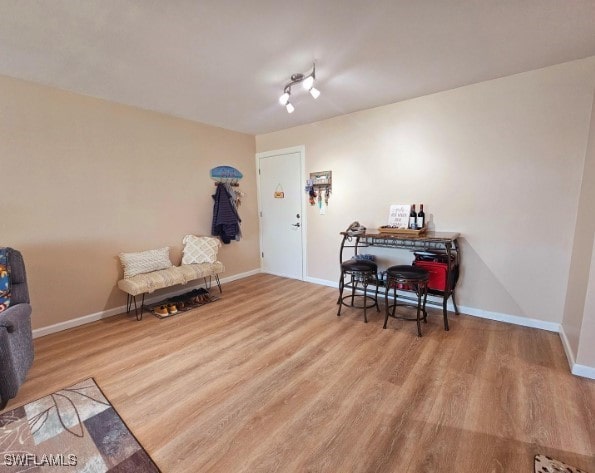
(360, 271)
(412, 278)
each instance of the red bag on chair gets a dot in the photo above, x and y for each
(437, 273)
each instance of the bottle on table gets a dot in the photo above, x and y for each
(412, 218)
(421, 217)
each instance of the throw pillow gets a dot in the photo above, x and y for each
(4, 280)
(145, 261)
(200, 249)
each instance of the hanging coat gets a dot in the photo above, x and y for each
(226, 221)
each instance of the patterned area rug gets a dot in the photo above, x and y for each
(545, 464)
(75, 429)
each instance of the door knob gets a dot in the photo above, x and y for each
(296, 224)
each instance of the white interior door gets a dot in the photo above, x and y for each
(281, 214)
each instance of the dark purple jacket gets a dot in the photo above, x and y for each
(226, 221)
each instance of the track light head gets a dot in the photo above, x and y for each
(307, 81)
(284, 98)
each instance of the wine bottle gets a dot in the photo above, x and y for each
(412, 218)
(421, 217)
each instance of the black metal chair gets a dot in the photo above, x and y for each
(409, 278)
(359, 271)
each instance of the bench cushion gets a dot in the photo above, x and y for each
(150, 282)
(201, 270)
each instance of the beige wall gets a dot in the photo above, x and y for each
(84, 179)
(500, 162)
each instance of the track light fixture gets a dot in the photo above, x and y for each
(307, 82)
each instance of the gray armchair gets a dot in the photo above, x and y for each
(16, 339)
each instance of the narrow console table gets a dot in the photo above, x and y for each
(441, 242)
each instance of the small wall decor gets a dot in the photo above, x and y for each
(319, 187)
(227, 175)
(398, 216)
(279, 194)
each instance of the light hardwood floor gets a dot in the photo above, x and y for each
(269, 379)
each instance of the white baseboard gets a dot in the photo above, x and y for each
(322, 282)
(510, 319)
(104, 314)
(567, 349)
(576, 369)
(85, 319)
(235, 277)
(583, 371)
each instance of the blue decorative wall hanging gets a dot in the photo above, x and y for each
(227, 175)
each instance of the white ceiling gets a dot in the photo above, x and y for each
(225, 62)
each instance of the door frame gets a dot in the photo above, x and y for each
(301, 150)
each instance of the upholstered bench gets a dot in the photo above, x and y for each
(147, 271)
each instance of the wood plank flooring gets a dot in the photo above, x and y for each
(268, 379)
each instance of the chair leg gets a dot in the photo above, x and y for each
(454, 303)
(418, 312)
(424, 303)
(444, 313)
(365, 284)
(341, 286)
(386, 304)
